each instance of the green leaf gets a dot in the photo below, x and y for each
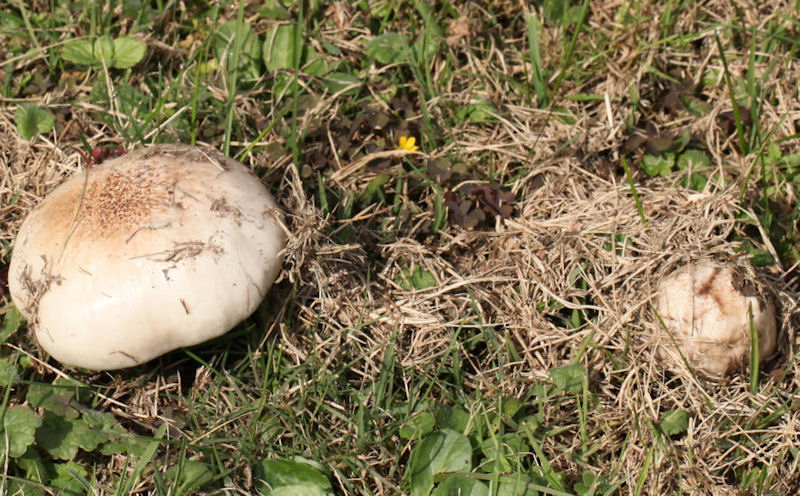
(674, 422)
(34, 467)
(417, 426)
(415, 277)
(9, 371)
(299, 490)
(104, 51)
(292, 474)
(279, 48)
(79, 52)
(190, 476)
(61, 437)
(440, 452)
(658, 165)
(374, 189)
(461, 486)
(127, 52)
(339, 81)
(11, 322)
(19, 427)
(70, 479)
(568, 378)
(452, 417)
(517, 484)
(389, 48)
(55, 398)
(249, 52)
(694, 160)
(272, 9)
(32, 119)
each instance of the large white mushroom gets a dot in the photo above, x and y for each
(161, 248)
(707, 309)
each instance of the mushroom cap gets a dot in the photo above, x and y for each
(706, 307)
(161, 248)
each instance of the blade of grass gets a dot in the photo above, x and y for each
(737, 115)
(538, 80)
(233, 79)
(754, 354)
(567, 60)
(635, 193)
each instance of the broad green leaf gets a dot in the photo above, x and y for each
(568, 378)
(34, 467)
(32, 120)
(71, 479)
(19, 427)
(389, 48)
(79, 52)
(288, 473)
(340, 81)
(127, 444)
(452, 417)
(658, 165)
(460, 485)
(440, 452)
(694, 159)
(516, 484)
(55, 397)
(11, 322)
(298, 490)
(128, 52)
(61, 437)
(272, 9)
(104, 51)
(190, 476)
(8, 370)
(415, 277)
(674, 422)
(417, 426)
(279, 49)
(225, 40)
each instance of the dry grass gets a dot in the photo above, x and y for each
(576, 251)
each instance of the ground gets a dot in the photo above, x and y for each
(467, 312)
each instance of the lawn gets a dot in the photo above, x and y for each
(482, 198)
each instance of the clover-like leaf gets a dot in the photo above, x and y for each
(127, 52)
(287, 477)
(568, 378)
(32, 120)
(462, 486)
(19, 426)
(389, 48)
(658, 165)
(79, 52)
(674, 422)
(61, 437)
(441, 452)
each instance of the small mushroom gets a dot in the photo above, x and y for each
(161, 248)
(707, 308)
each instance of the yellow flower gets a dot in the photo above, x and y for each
(408, 143)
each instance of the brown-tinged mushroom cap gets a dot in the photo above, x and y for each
(708, 313)
(161, 248)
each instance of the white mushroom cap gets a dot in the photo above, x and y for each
(706, 307)
(161, 248)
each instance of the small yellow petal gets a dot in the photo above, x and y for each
(408, 143)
